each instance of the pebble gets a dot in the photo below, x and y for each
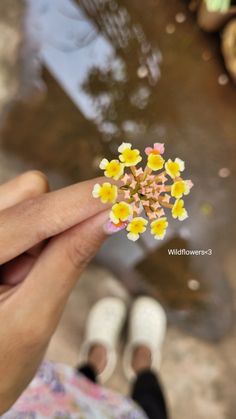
(170, 28)
(142, 71)
(180, 17)
(224, 172)
(193, 284)
(206, 55)
(223, 79)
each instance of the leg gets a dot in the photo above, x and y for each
(97, 359)
(88, 371)
(142, 355)
(147, 391)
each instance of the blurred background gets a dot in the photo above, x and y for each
(79, 77)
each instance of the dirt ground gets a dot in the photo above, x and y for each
(197, 376)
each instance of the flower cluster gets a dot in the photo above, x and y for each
(143, 189)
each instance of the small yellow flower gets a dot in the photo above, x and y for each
(113, 169)
(136, 227)
(155, 161)
(128, 156)
(158, 228)
(178, 210)
(106, 192)
(120, 212)
(180, 188)
(173, 168)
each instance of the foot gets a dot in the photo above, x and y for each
(142, 359)
(97, 357)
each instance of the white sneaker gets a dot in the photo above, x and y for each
(104, 325)
(147, 327)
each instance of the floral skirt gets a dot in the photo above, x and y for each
(59, 392)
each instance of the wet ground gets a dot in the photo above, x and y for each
(161, 79)
(198, 376)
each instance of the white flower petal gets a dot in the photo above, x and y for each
(96, 190)
(184, 216)
(113, 218)
(187, 189)
(133, 237)
(180, 163)
(103, 164)
(123, 146)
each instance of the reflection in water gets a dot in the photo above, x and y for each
(125, 34)
(93, 65)
(127, 37)
(106, 56)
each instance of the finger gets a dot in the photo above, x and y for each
(46, 289)
(22, 187)
(25, 186)
(32, 221)
(6, 291)
(36, 250)
(16, 270)
(3, 290)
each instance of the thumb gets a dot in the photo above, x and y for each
(47, 287)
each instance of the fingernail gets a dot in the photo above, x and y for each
(111, 228)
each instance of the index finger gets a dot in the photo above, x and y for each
(24, 186)
(34, 220)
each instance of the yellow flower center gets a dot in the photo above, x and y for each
(121, 211)
(108, 193)
(113, 168)
(178, 189)
(173, 169)
(155, 161)
(159, 226)
(130, 156)
(137, 226)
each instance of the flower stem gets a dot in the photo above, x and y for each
(133, 170)
(165, 204)
(147, 171)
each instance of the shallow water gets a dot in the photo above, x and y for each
(142, 76)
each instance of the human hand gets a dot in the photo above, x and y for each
(46, 240)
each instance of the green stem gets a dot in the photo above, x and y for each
(133, 169)
(147, 171)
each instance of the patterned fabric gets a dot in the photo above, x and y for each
(59, 392)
